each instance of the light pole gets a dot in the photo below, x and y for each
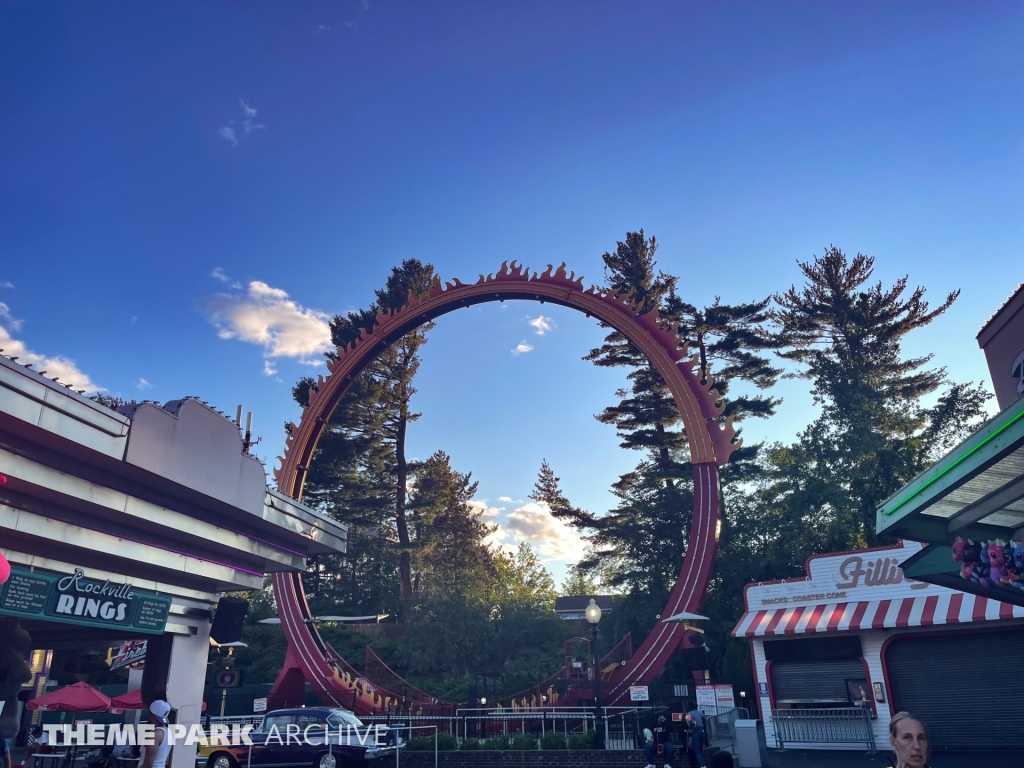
(593, 614)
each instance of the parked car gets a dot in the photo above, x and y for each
(327, 738)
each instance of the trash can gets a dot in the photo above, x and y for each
(751, 747)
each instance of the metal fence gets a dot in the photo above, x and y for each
(720, 724)
(847, 725)
(623, 726)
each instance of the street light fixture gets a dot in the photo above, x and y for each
(593, 614)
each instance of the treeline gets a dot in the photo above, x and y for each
(882, 418)
(418, 549)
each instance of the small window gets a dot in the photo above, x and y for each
(342, 717)
(281, 722)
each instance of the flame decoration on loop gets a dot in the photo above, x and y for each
(514, 274)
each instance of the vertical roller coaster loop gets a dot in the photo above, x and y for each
(710, 443)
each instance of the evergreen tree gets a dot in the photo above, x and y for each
(361, 472)
(579, 582)
(875, 431)
(454, 567)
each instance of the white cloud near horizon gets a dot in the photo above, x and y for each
(522, 348)
(6, 284)
(55, 366)
(266, 316)
(143, 384)
(534, 524)
(541, 324)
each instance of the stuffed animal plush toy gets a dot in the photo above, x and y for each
(966, 569)
(972, 567)
(997, 562)
(1016, 570)
(5, 569)
(981, 572)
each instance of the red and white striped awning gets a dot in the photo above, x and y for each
(957, 608)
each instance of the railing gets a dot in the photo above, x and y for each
(485, 723)
(623, 726)
(847, 725)
(720, 724)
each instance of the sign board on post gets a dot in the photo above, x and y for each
(639, 693)
(706, 696)
(259, 705)
(724, 698)
(762, 690)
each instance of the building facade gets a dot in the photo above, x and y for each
(855, 632)
(131, 525)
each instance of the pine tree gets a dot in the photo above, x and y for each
(360, 472)
(874, 432)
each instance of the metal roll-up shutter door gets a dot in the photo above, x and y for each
(814, 682)
(945, 680)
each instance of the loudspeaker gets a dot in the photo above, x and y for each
(227, 622)
(158, 664)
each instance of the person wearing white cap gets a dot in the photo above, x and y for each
(156, 755)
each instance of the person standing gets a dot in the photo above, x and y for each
(909, 741)
(695, 738)
(5, 753)
(155, 756)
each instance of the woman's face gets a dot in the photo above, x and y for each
(910, 743)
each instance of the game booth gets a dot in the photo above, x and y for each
(837, 653)
(130, 525)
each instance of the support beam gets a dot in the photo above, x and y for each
(986, 505)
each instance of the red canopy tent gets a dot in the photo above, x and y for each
(80, 697)
(130, 700)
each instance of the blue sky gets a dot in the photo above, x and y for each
(187, 190)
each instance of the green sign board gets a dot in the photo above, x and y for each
(75, 599)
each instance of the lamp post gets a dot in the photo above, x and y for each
(593, 614)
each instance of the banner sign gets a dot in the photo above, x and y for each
(75, 599)
(639, 693)
(129, 654)
(259, 705)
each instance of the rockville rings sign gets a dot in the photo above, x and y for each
(76, 599)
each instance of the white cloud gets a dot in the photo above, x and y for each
(58, 367)
(6, 284)
(143, 384)
(504, 498)
(266, 316)
(534, 524)
(323, 28)
(8, 319)
(248, 113)
(522, 347)
(249, 125)
(542, 324)
(220, 274)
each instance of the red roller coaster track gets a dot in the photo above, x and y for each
(711, 443)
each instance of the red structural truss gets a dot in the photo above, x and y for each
(710, 442)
